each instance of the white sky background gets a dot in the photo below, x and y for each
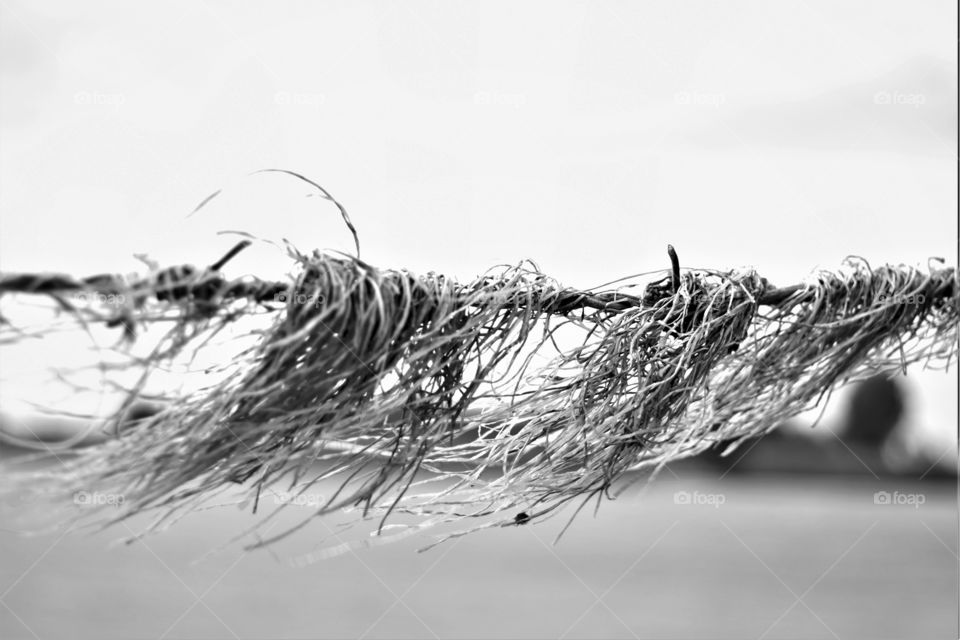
(585, 136)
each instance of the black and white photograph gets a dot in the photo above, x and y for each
(479, 320)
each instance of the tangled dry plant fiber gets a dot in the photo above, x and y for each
(487, 403)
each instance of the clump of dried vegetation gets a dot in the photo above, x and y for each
(474, 402)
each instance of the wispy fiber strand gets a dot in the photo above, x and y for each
(498, 400)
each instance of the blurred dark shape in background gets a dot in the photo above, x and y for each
(139, 410)
(876, 408)
(870, 441)
(28, 433)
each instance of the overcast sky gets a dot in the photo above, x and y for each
(585, 136)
